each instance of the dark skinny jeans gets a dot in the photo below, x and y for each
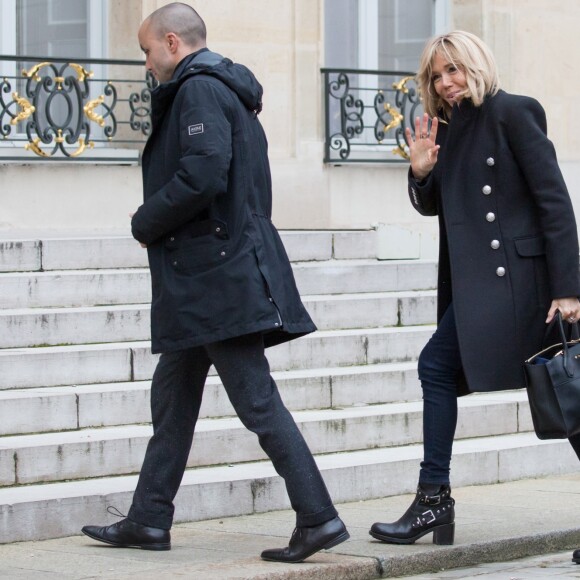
(439, 365)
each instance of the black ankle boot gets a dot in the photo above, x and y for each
(576, 556)
(429, 512)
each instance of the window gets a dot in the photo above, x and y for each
(53, 28)
(403, 26)
(50, 29)
(380, 34)
(341, 33)
(374, 47)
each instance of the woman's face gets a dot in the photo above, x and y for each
(448, 81)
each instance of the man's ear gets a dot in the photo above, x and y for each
(172, 41)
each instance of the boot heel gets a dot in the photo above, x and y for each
(444, 535)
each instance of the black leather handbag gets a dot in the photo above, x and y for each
(553, 385)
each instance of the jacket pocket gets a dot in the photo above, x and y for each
(202, 253)
(530, 246)
(533, 249)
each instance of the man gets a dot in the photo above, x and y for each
(223, 288)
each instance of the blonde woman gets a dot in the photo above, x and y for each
(508, 256)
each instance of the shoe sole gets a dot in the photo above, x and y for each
(394, 540)
(156, 547)
(330, 544)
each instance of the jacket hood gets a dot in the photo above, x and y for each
(235, 76)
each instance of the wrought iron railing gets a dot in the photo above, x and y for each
(366, 113)
(73, 109)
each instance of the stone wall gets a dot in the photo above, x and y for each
(536, 44)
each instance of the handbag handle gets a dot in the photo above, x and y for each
(574, 336)
(574, 329)
(567, 361)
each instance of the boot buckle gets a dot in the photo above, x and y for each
(431, 499)
(430, 514)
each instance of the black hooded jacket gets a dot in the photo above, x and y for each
(218, 266)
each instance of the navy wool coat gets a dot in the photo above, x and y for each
(508, 238)
(218, 267)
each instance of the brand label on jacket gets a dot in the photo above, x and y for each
(195, 129)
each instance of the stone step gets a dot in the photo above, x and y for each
(354, 276)
(20, 255)
(27, 327)
(43, 410)
(96, 252)
(75, 288)
(91, 453)
(36, 512)
(65, 288)
(132, 361)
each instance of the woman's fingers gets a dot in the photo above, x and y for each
(408, 137)
(417, 128)
(425, 129)
(433, 154)
(569, 309)
(422, 148)
(421, 127)
(434, 127)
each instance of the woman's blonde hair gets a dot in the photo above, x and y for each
(469, 54)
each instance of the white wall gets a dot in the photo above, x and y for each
(283, 43)
(72, 197)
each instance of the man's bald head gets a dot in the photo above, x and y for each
(180, 19)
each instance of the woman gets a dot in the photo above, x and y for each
(508, 256)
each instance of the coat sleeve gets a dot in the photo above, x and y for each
(204, 146)
(423, 194)
(536, 157)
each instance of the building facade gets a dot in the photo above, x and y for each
(287, 43)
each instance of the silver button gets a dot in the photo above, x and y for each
(218, 229)
(222, 254)
(490, 161)
(175, 263)
(171, 239)
(490, 217)
(276, 324)
(486, 190)
(495, 244)
(500, 271)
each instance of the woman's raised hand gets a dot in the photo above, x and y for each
(422, 147)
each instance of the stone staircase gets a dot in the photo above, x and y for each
(76, 370)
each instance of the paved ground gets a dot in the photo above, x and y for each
(495, 525)
(557, 566)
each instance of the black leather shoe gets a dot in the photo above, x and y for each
(307, 541)
(128, 534)
(576, 556)
(429, 512)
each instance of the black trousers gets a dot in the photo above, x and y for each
(176, 394)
